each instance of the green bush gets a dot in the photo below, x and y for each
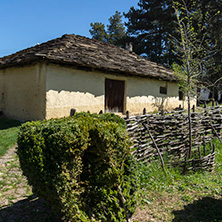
(110, 117)
(80, 165)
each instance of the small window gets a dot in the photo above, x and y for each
(163, 90)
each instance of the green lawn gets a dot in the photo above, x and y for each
(8, 133)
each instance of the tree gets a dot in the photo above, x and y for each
(149, 27)
(154, 21)
(191, 51)
(98, 31)
(210, 20)
(207, 21)
(116, 30)
(115, 33)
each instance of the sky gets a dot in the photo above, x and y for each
(24, 23)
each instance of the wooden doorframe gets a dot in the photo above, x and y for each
(115, 95)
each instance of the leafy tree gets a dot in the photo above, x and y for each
(115, 33)
(191, 50)
(207, 21)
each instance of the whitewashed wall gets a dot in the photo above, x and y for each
(22, 92)
(68, 88)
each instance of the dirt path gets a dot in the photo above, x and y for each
(13, 186)
(17, 202)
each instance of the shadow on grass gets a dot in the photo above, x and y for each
(6, 123)
(205, 210)
(28, 210)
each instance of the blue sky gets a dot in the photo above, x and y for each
(23, 23)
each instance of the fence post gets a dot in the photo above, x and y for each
(162, 112)
(154, 143)
(144, 111)
(199, 151)
(180, 109)
(204, 146)
(213, 148)
(127, 114)
(72, 112)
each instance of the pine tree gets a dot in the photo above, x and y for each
(115, 33)
(153, 22)
(116, 30)
(149, 27)
(98, 31)
(211, 23)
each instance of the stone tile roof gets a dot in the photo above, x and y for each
(88, 53)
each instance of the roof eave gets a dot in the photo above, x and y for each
(43, 58)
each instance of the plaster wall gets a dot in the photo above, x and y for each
(145, 93)
(68, 88)
(22, 92)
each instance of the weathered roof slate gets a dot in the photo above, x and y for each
(89, 53)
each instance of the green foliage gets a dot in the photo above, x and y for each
(110, 117)
(149, 27)
(191, 52)
(188, 48)
(98, 31)
(77, 164)
(182, 79)
(115, 29)
(115, 33)
(207, 19)
(197, 46)
(151, 24)
(181, 76)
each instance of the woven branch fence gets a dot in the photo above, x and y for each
(156, 135)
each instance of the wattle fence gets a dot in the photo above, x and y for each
(159, 134)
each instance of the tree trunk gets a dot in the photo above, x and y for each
(189, 116)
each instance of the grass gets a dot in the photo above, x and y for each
(208, 103)
(195, 196)
(8, 133)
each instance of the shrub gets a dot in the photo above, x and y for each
(110, 117)
(80, 165)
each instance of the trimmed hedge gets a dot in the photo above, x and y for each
(80, 165)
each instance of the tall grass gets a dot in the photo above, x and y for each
(151, 176)
(173, 196)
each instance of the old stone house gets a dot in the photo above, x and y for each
(48, 80)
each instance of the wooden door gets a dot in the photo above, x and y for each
(114, 95)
